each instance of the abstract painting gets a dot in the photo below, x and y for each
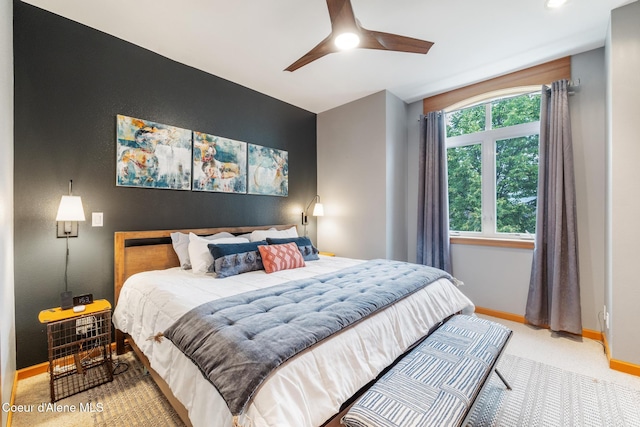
(219, 164)
(268, 171)
(152, 155)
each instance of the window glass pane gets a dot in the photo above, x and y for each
(514, 111)
(516, 184)
(465, 187)
(468, 120)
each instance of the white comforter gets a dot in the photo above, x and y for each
(305, 391)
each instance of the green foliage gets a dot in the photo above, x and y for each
(516, 167)
(516, 184)
(464, 168)
(514, 111)
(469, 120)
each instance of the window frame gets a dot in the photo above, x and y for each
(487, 139)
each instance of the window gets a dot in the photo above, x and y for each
(492, 160)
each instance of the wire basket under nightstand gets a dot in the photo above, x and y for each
(79, 352)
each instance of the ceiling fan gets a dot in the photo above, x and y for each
(346, 33)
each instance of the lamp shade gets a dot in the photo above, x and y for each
(318, 210)
(70, 209)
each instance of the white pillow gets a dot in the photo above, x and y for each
(201, 259)
(180, 243)
(258, 235)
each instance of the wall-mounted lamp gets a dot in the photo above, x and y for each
(70, 212)
(318, 210)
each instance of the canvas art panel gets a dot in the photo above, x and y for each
(268, 171)
(219, 164)
(152, 155)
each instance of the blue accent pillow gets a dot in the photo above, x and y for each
(308, 251)
(236, 258)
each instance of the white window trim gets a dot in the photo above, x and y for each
(488, 139)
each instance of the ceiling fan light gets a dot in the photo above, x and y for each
(347, 41)
(553, 4)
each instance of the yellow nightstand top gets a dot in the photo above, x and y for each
(326, 253)
(55, 314)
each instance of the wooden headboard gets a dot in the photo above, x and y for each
(137, 251)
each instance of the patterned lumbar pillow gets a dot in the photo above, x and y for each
(309, 252)
(232, 259)
(281, 257)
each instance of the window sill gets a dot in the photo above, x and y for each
(501, 243)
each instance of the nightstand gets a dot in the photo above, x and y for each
(326, 253)
(79, 348)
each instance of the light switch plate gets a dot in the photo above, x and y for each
(96, 219)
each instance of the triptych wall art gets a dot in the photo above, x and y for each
(154, 155)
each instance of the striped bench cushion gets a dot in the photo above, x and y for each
(437, 382)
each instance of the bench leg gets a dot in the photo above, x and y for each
(502, 378)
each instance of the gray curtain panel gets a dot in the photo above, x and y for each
(433, 198)
(554, 289)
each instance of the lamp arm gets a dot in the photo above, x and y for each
(317, 197)
(304, 214)
(66, 267)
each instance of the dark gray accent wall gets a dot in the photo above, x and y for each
(70, 83)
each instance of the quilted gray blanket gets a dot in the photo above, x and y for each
(238, 341)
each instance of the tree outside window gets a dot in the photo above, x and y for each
(492, 160)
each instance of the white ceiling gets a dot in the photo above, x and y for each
(251, 42)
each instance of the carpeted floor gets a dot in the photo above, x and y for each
(132, 399)
(542, 395)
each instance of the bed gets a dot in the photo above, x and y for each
(309, 390)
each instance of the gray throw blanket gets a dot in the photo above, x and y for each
(237, 341)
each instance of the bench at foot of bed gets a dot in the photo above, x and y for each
(437, 383)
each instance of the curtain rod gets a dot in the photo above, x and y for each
(573, 86)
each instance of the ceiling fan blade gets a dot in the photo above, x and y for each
(323, 48)
(341, 16)
(343, 20)
(387, 41)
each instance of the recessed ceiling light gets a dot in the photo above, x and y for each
(347, 41)
(553, 4)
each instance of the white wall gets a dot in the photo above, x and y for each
(352, 178)
(362, 178)
(396, 143)
(414, 111)
(7, 316)
(494, 278)
(608, 294)
(588, 123)
(624, 150)
(498, 278)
